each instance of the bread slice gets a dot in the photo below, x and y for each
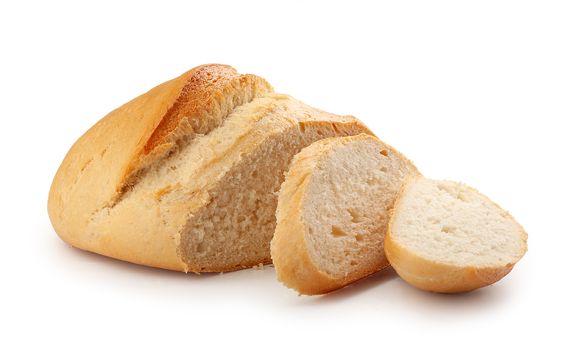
(447, 237)
(332, 212)
(185, 176)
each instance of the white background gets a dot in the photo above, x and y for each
(472, 91)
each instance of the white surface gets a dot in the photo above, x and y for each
(471, 92)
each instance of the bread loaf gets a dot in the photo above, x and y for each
(185, 176)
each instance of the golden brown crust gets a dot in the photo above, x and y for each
(196, 102)
(435, 276)
(438, 277)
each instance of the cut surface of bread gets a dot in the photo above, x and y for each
(447, 237)
(332, 212)
(185, 176)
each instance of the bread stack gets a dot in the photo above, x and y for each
(213, 171)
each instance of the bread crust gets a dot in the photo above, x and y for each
(205, 87)
(435, 276)
(289, 251)
(104, 165)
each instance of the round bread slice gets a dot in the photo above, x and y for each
(447, 237)
(332, 212)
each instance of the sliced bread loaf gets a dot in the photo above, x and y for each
(446, 237)
(185, 176)
(332, 212)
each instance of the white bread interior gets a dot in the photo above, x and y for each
(447, 237)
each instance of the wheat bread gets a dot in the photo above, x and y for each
(333, 212)
(185, 176)
(446, 237)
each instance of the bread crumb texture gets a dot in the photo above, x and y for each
(454, 224)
